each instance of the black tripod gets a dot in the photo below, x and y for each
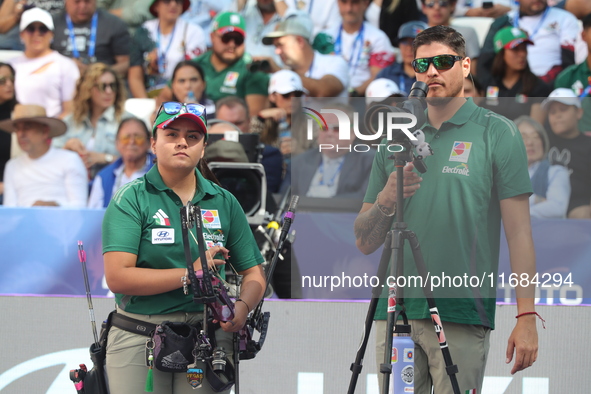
(395, 242)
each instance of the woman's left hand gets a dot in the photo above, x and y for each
(240, 315)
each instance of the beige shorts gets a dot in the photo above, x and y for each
(468, 346)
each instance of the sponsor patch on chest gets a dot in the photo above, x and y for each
(460, 151)
(162, 236)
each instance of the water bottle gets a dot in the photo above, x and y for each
(283, 127)
(403, 365)
(191, 97)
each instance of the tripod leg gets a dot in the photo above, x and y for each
(395, 269)
(236, 343)
(375, 296)
(450, 367)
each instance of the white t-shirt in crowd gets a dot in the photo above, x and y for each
(188, 39)
(324, 13)
(372, 48)
(330, 65)
(59, 175)
(372, 14)
(549, 32)
(256, 29)
(462, 6)
(47, 81)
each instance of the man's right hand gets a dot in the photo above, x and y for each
(411, 185)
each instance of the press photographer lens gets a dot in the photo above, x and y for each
(219, 359)
(376, 120)
(376, 116)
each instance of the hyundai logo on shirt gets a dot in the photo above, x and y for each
(162, 236)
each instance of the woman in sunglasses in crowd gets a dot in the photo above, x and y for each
(520, 91)
(159, 44)
(133, 145)
(98, 109)
(43, 76)
(147, 271)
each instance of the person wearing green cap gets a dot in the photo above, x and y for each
(160, 44)
(226, 65)
(144, 252)
(513, 90)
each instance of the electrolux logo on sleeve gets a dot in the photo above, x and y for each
(345, 129)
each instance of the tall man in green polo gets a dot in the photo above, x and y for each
(477, 175)
(226, 66)
(578, 78)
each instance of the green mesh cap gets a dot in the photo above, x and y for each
(323, 43)
(509, 37)
(196, 113)
(228, 22)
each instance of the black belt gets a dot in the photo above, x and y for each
(132, 325)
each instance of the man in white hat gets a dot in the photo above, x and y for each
(570, 148)
(42, 175)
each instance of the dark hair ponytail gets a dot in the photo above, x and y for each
(206, 172)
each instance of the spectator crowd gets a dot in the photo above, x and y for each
(68, 68)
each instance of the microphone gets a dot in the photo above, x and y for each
(415, 103)
(418, 90)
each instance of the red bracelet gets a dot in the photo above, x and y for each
(532, 313)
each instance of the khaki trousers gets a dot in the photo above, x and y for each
(468, 346)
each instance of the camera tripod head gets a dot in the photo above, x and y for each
(415, 105)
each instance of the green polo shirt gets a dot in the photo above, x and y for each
(144, 219)
(234, 80)
(479, 159)
(577, 77)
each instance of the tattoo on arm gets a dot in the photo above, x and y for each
(372, 226)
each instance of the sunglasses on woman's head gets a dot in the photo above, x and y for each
(236, 37)
(442, 4)
(172, 1)
(103, 86)
(441, 62)
(3, 80)
(173, 108)
(42, 29)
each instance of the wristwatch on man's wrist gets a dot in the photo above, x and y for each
(109, 157)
